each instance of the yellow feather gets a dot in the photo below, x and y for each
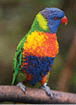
(42, 21)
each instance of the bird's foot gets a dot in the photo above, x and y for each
(48, 91)
(23, 88)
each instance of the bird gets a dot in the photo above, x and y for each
(36, 52)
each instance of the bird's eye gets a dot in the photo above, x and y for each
(56, 18)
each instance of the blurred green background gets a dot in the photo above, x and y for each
(16, 17)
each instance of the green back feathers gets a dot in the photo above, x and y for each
(18, 58)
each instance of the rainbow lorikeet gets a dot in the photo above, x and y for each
(36, 52)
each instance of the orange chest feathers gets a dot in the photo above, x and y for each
(41, 44)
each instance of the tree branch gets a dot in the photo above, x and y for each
(15, 94)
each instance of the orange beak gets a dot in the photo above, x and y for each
(64, 20)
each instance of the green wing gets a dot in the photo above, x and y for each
(18, 59)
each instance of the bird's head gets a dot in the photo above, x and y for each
(51, 18)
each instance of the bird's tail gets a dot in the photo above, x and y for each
(14, 77)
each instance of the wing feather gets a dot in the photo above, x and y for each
(18, 59)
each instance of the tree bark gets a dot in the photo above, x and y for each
(34, 96)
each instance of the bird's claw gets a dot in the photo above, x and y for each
(48, 91)
(23, 88)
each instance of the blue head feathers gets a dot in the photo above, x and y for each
(53, 16)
